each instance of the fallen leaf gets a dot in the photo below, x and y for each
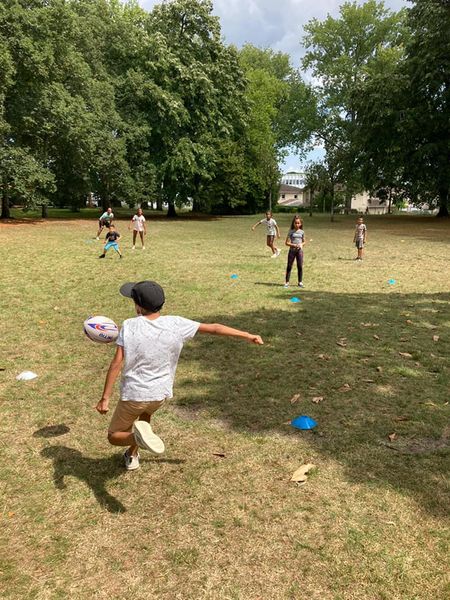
(299, 475)
(345, 388)
(405, 354)
(379, 369)
(392, 436)
(435, 338)
(369, 380)
(11, 514)
(401, 418)
(317, 399)
(409, 321)
(323, 357)
(56, 308)
(220, 454)
(376, 337)
(295, 398)
(342, 344)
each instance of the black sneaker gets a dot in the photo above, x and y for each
(102, 256)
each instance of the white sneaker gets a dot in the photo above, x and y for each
(143, 247)
(300, 284)
(97, 238)
(278, 252)
(131, 461)
(133, 248)
(146, 439)
(274, 255)
(286, 285)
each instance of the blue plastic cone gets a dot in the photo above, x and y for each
(234, 276)
(303, 422)
(295, 299)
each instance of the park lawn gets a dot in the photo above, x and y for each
(217, 517)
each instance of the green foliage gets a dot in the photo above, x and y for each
(341, 53)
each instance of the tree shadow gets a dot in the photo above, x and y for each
(380, 345)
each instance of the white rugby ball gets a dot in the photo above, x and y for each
(101, 329)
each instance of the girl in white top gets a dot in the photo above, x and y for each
(272, 230)
(138, 224)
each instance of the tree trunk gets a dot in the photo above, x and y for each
(310, 202)
(348, 202)
(390, 201)
(171, 212)
(6, 214)
(332, 205)
(443, 203)
(159, 203)
(44, 209)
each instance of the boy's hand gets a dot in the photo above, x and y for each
(255, 339)
(102, 406)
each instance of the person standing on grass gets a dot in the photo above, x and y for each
(105, 221)
(112, 239)
(360, 237)
(295, 240)
(138, 224)
(272, 230)
(148, 347)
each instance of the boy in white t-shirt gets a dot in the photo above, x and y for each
(148, 347)
(272, 229)
(138, 224)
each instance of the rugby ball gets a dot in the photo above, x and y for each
(101, 329)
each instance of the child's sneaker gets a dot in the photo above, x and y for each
(131, 461)
(102, 256)
(143, 247)
(286, 285)
(133, 248)
(146, 439)
(300, 284)
(278, 252)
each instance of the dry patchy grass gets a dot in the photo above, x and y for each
(372, 519)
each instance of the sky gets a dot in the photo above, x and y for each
(276, 24)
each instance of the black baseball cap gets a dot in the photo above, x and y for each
(147, 294)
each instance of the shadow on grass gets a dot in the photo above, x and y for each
(68, 462)
(372, 357)
(51, 431)
(94, 472)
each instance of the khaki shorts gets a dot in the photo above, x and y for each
(128, 411)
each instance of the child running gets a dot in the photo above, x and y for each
(295, 240)
(272, 229)
(105, 221)
(148, 347)
(112, 238)
(138, 224)
(360, 237)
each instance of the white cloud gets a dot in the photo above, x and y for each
(276, 24)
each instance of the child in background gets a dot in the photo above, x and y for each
(105, 221)
(138, 224)
(112, 238)
(272, 229)
(149, 347)
(360, 237)
(295, 240)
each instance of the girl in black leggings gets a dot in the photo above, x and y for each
(295, 240)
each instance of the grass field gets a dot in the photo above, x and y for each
(217, 517)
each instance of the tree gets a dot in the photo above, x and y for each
(340, 51)
(426, 116)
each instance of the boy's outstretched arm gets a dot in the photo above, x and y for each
(113, 371)
(256, 225)
(218, 329)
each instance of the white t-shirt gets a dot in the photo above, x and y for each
(138, 222)
(152, 349)
(270, 224)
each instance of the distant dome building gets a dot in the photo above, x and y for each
(292, 189)
(295, 178)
